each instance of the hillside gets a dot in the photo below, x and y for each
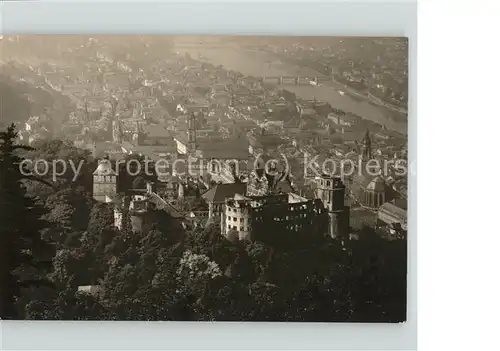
(21, 99)
(14, 107)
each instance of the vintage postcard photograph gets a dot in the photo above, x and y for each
(202, 178)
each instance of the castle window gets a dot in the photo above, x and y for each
(241, 229)
(241, 220)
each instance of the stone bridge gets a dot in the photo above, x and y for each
(296, 80)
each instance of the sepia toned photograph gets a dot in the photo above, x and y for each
(202, 178)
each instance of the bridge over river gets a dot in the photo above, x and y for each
(296, 80)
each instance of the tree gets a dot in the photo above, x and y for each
(68, 211)
(261, 255)
(140, 283)
(143, 174)
(101, 220)
(73, 158)
(23, 253)
(265, 302)
(67, 305)
(75, 197)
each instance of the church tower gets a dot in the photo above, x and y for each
(137, 136)
(331, 191)
(191, 146)
(86, 112)
(117, 131)
(366, 151)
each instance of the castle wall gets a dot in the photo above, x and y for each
(296, 218)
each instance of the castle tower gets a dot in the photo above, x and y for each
(105, 182)
(331, 191)
(138, 209)
(191, 147)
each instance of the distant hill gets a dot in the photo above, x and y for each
(14, 107)
(19, 100)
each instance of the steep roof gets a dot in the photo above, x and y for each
(225, 149)
(104, 168)
(156, 131)
(376, 184)
(393, 210)
(220, 192)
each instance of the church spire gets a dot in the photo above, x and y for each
(366, 152)
(117, 131)
(192, 134)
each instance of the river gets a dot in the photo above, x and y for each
(258, 64)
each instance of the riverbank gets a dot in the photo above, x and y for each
(259, 63)
(347, 88)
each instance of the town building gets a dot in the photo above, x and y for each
(394, 212)
(152, 141)
(217, 195)
(264, 143)
(210, 158)
(368, 187)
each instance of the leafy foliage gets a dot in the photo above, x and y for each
(71, 165)
(23, 253)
